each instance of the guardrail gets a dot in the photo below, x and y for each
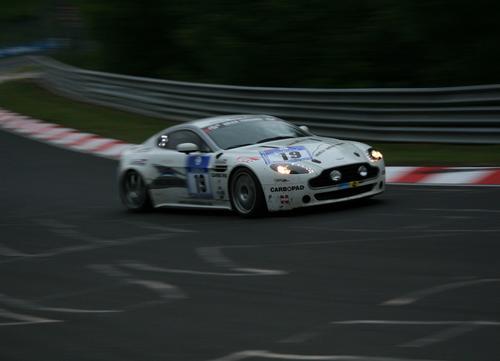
(452, 115)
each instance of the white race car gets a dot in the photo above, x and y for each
(248, 163)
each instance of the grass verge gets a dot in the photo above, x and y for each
(27, 98)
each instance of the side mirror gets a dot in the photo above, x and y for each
(187, 148)
(305, 128)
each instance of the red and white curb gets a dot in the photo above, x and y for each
(443, 175)
(111, 148)
(62, 137)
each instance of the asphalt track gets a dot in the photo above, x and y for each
(411, 275)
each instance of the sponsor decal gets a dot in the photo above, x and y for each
(226, 123)
(220, 193)
(292, 188)
(139, 161)
(219, 175)
(288, 154)
(165, 170)
(284, 199)
(247, 159)
(167, 178)
(354, 184)
(281, 180)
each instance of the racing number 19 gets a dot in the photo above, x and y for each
(291, 155)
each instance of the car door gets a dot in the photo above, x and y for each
(181, 178)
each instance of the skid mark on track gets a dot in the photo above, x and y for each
(299, 337)
(214, 255)
(243, 272)
(466, 210)
(415, 323)
(421, 230)
(166, 292)
(418, 295)
(167, 229)
(10, 252)
(88, 242)
(442, 336)
(455, 329)
(333, 242)
(268, 355)
(109, 270)
(76, 310)
(29, 305)
(67, 230)
(87, 247)
(22, 319)
(305, 336)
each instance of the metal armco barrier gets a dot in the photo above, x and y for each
(452, 115)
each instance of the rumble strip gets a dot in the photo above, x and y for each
(112, 148)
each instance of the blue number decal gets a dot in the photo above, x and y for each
(198, 180)
(289, 154)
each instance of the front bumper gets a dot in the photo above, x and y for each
(288, 195)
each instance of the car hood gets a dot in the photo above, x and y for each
(317, 152)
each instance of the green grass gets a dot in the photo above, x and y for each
(28, 98)
(439, 154)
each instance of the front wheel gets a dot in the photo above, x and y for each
(247, 197)
(134, 193)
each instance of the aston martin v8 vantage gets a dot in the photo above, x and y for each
(248, 163)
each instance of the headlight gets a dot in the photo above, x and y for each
(290, 169)
(374, 155)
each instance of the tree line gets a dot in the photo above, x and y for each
(299, 43)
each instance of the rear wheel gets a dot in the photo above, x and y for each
(134, 193)
(247, 197)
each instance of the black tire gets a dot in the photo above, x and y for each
(134, 193)
(247, 197)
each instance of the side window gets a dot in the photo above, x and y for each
(170, 141)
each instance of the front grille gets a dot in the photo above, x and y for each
(344, 193)
(349, 174)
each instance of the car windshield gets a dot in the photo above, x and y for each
(238, 133)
